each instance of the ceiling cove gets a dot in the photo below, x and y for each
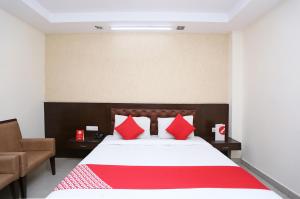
(136, 16)
(72, 16)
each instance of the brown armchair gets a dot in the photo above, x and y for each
(31, 152)
(9, 173)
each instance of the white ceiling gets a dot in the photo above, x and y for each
(60, 16)
(59, 6)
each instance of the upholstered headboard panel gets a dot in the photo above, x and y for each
(153, 114)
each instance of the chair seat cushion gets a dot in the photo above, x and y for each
(6, 179)
(35, 158)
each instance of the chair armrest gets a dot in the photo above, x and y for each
(9, 164)
(39, 144)
(23, 162)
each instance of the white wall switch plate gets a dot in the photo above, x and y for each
(91, 128)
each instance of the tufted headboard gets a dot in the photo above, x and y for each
(153, 114)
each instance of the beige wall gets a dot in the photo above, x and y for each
(271, 95)
(22, 74)
(137, 67)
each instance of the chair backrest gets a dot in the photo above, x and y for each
(10, 136)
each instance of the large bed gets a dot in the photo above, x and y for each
(158, 168)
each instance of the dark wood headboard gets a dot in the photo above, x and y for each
(63, 118)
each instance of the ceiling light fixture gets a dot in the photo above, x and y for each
(141, 28)
(98, 27)
(180, 27)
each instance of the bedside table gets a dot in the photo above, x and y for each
(81, 149)
(227, 146)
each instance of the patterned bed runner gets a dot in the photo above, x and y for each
(92, 176)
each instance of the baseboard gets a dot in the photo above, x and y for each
(274, 183)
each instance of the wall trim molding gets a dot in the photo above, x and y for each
(273, 182)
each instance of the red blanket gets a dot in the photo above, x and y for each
(93, 176)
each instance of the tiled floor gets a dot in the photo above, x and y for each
(41, 182)
(262, 180)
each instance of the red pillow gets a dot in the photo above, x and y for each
(180, 128)
(129, 129)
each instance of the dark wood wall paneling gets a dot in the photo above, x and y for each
(63, 118)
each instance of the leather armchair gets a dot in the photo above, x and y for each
(9, 173)
(31, 152)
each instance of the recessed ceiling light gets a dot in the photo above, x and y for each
(150, 28)
(99, 27)
(180, 27)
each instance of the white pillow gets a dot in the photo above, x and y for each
(143, 122)
(164, 123)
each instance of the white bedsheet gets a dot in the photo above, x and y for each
(160, 152)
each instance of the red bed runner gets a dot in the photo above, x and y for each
(93, 176)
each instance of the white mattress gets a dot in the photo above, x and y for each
(160, 152)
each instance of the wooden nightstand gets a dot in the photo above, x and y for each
(227, 146)
(81, 149)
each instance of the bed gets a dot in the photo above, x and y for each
(158, 168)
